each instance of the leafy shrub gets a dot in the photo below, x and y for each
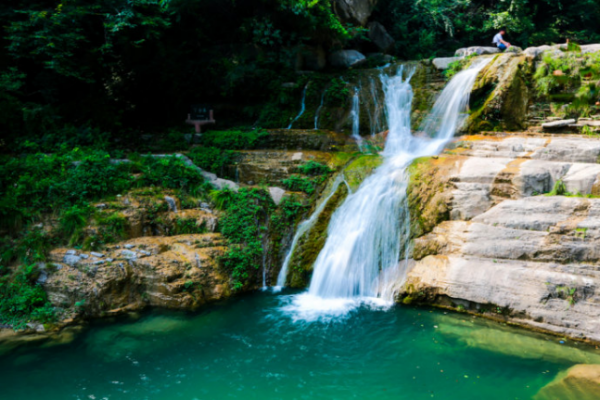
(314, 168)
(23, 299)
(94, 177)
(246, 212)
(73, 220)
(184, 226)
(337, 93)
(299, 184)
(170, 172)
(174, 140)
(234, 139)
(212, 159)
(113, 227)
(456, 66)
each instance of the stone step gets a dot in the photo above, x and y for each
(560, 149)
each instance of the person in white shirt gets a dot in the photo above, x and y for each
(500, 42)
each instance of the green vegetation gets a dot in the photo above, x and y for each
(456, 66)
(299, 183)
(22, 298)
(559, 189)
(304, 184)
(184, 226)
(337, 93)
(429, 28)
(313, 168)
(571, 77)
(243, 225)
(212, 159)
(234, 139)
(249, 215)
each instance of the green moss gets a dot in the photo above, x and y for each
(243, 224)
(23, 299)
(310, 245)
(426, 200)
(361, 168)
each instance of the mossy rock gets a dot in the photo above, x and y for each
(428, 193)
(500, 96)
(361, 168)
(310, 245)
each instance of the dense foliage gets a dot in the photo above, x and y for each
(246, 215)
(427, 28)
(571, 78)
(85, 72)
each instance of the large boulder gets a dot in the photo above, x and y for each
(346, 58)
(514, 50)
(501, 95)
(486, 240)
(590, 48)
(354, 11)
(444, 62)
(558, 124)
(535, 52)
(380, 37)
(479, 50)
(581, 382)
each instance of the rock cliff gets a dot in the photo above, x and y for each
(497, 238)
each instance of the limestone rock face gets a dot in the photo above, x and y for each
(444, 62)
(558, 124)
(354, 11)
(178, 272)
(581, 382)
(535, 52)
(380, 37)
(479, 50)
(590, 48)
(346, 58)
(497, 245)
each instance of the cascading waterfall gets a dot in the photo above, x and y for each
(302, 229)
(302, 106)
(374, 118)
(355, 115)
(369, 233)
(318, 112)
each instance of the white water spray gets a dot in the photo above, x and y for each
(374, 117)
(369, 233)
(318, 112)
(302, 229)
(302, 107)
(355, 116)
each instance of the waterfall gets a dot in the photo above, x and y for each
(374, 118)
(302, 229)
(302, 106)
(365, 254)
(171, 203)
(355, 115)
(319, 110)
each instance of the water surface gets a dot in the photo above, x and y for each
(250, 348)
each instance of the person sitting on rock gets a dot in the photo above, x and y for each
(499, 40)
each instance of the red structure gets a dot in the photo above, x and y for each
(198, 123)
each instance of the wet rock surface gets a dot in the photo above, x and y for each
(581, 382)
(511, 246)
(178, 272)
